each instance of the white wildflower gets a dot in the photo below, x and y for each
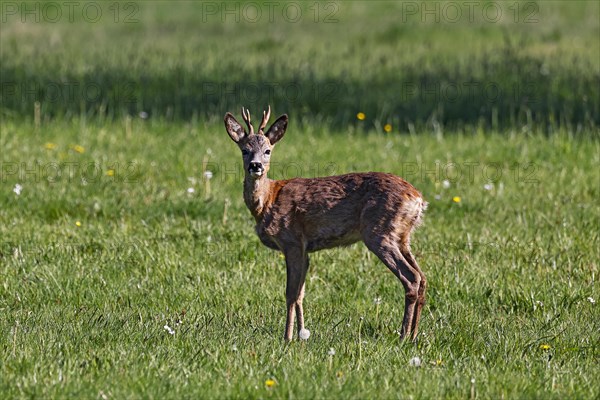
(414, 362)
(377, 300)
(169, 330)
(191, 190)
(304, 334)
(18, 189)
(437, 197)
(488, 186)
(446, 184)
(331, 351)
(208, 175)
(17, 253)
(591, 300)
(143, 115)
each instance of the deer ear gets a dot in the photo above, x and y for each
(276, 131)
(234, 129)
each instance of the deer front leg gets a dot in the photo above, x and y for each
(296, 262)
(300, 310)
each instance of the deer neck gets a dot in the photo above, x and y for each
(257, 194)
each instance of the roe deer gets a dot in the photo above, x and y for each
(301, 215)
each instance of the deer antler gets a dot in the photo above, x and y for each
(265, 119)
(246, 116)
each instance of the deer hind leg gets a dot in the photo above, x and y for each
(296, 261)
(389, 253)
(405, 249)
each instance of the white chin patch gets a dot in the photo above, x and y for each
(256, 174)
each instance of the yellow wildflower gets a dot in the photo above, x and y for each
(50, 146)
(79, 149)
(78, 223)
(387, 128)
(544, 346)
(456, 199)
(270, 383)
(110, 172)
(361, 116)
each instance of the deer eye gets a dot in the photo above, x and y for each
(245, 152)
(268, 152)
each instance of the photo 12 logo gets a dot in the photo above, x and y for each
(70, 171)
(69, 11)
(469, 11)
(470, 172)
(258, 91)
(67, 92)
(270, 11)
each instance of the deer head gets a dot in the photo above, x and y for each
(256, 147)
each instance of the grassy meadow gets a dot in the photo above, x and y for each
(129, 267)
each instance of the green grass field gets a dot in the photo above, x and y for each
(126, 273)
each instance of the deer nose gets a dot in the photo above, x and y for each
(255, 166)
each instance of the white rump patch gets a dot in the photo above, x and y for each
(416, 207)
